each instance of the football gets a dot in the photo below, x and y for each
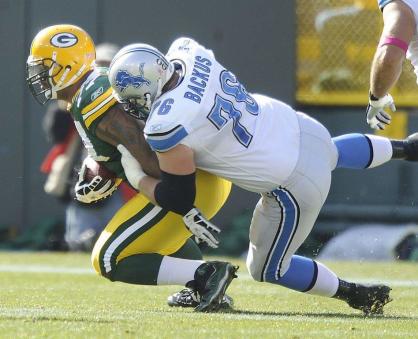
(94, 168)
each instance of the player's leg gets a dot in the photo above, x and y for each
(283, 219)
(281, 222)
(137, 252)
(280, 225)
(140, 243)
(360, 151)
(212, 193)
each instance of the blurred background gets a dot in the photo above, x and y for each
(314, 55)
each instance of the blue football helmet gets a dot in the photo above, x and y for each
(137, 74)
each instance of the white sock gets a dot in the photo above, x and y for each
(177, 271)
(382, 150)
(326, 282)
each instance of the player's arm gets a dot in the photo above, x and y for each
(119, 128)
(176, 190)
(399, 28)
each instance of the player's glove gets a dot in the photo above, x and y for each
(95, 189)
(131, 166)
(377, 118)
(203, 229)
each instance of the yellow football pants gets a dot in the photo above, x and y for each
(140, 227)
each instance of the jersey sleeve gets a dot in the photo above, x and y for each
(93, 101)
(162, 140)
(93, 112)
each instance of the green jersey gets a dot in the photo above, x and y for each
(89, 105)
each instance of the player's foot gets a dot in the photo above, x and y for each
(211, 280)
(411, 147)
(368, 298)
(406, 149)
(188, 297)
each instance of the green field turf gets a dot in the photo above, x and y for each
(44, 295)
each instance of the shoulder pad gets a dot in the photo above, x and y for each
(182, 44)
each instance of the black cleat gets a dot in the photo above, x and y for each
(411, 147)
(406, 149)
(369, 298)
(188, 297)
(211, 280)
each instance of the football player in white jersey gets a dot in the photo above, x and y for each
(200, 116)
(399, 38)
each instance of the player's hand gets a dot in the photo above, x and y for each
(377, 117)
(95, 189)
(131, 166)
(202, 228)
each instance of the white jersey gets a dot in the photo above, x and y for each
(412, 53)
(251, 140)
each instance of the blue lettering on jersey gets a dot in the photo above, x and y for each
(165, 106)
(224, 109)
(199, 79)
(230, 85)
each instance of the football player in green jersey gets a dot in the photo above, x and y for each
(143, 243)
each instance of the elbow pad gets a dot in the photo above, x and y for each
(176, 192)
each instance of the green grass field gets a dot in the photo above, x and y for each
(46, 295)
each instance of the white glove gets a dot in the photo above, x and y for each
(202, 228)
(377, 118)
(98, 188)
(131, 166)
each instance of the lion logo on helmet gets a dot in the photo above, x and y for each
(124, 79)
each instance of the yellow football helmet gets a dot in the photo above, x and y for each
(60, 55)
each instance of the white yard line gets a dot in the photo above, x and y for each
(45, 269)
(242, 276)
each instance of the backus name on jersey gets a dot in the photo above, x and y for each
(198, 79)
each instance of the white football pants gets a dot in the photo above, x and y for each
(283, 218)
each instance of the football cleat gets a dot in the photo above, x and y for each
(188, 297)
(369, 298)
(211, 281)
(411, 147)
(406, 149)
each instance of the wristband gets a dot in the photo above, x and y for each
(372, 97)
(391, 40)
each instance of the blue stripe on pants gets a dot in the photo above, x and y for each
(286, 231)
